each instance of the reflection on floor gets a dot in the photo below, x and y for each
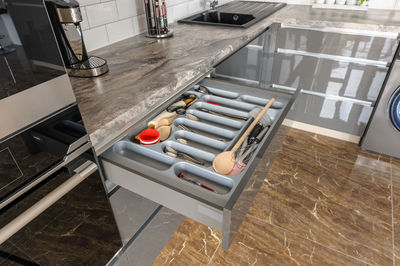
(324, 202)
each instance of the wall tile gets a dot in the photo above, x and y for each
(101, 14)
(196, 6)
(95, 38)
(175, 2)
(300, 2)
(177, 12)
(139, 24)
(387, 4)
(130, 8)
(222, 2)
(276, 1)
(88, 2)
(120, 30)
(85, 21)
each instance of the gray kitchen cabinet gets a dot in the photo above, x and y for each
(340, 72)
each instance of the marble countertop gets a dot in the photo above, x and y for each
(144, 72)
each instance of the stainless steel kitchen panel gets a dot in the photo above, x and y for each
(69, 15)
(20, 110)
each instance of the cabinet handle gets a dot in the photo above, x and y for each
(85, 170)
(324, 95)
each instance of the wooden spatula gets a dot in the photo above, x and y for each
(225, 161)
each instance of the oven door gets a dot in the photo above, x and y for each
(53, 206)
(65, 220)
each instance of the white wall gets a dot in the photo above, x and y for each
(106, 22)
(109, 21)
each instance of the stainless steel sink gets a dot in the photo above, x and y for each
(235, 14)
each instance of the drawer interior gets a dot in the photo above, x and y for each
(211, 125)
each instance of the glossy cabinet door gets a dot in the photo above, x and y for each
(350, 80)
(340, 73)
(362, 45)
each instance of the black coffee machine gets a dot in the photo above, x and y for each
(65, 16)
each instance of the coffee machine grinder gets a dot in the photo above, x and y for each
(65, 17)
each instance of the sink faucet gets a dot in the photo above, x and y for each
(213, 4)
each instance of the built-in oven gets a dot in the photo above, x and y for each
(53, 206)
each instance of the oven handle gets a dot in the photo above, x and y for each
(82, 172)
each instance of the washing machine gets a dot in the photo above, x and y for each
(383, 132)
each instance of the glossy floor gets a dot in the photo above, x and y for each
(323, 202)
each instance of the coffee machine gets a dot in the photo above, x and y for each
(65, 17)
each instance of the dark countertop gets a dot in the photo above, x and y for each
(145, 71)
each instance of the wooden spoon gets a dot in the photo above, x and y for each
(225, 161)
(164, 126)
(165, 114)
(166, 121)
(165, 131)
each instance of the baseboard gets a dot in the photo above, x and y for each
(322, 131)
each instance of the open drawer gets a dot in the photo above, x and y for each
(191, 187)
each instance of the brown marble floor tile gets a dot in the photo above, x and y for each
(396, 208)
(192, 244)
(325, 197)
(259, 243)
(11, 255)
(342, 205)
(316, 143)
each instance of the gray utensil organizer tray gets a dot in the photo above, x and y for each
(148, 171)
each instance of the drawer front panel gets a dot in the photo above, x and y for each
(163, 195)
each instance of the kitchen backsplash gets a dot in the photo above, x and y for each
(106, 22)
